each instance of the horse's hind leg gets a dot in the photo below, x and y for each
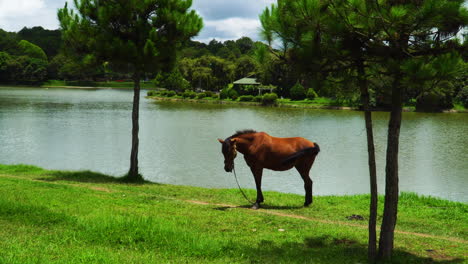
(303, 168)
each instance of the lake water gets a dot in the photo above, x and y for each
(76, 129)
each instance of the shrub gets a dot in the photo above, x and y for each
(297, 92)
(201, 95)
(151, 93)
(215, 96)
(209, 94)
(224, 94)
(246, 98)
(228, 93)
(311, 94)
(462, 96)
(433, 101)
(233, 94)
(258, 98)
(189, 94)
(170, 93)
(171, 81)
(269, 99)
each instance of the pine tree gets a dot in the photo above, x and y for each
(140, 35)
(411, 42)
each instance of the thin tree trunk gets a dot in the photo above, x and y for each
(372, 243)
(133, 172)
(391, 173)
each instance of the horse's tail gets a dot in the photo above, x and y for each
(303, 152)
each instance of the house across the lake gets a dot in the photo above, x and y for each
(252, 83)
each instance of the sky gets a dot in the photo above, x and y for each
(223, 19)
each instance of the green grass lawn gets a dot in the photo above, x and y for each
(317, 102)
(86, 217)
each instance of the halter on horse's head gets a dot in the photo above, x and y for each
(230, 152)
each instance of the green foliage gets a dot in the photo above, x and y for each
(5, 59)
(22, 69)
(258, 99)
(246, 89)
(209, 94)
(29, 66)
(433, 101)
(75, 67)
(171, 81)
(170, 93)
(143, 34)
(462, 96)
(436, 99)
(246, 98)
(207, 72)
(224, 93)
(245, 45)
(311, 94)
(189, 94)
(413, 43)
(8, 42)
(201, 95)
(233, 94)
(245, 66)
(48, 40)
(297, 92)
(269, 99)
(31, 50)
(228, 93)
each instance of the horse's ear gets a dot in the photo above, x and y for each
(220, 141)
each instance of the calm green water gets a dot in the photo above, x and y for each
(91, 129)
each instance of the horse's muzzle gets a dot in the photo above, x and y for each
(228, 166)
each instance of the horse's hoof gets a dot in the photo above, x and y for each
(255, 206)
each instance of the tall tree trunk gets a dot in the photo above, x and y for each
(365, 100)
(372, 240)
(391, 173)
(133, 172)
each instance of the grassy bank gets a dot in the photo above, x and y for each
(318, 103)
(85, 217)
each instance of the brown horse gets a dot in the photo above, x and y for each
(262, 151)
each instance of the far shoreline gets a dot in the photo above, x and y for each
(300, 106)
(225, 102)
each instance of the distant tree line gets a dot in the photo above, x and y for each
(34, 55)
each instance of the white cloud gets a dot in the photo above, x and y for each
(221, 9)
(230, 28)
(9, 8)
(223, 19)
(16, 14)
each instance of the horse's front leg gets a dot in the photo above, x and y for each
(257, 173)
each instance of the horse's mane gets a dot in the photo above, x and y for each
(242, 132)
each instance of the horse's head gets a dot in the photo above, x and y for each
(229, 152)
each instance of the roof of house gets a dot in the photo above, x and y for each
(247, 81)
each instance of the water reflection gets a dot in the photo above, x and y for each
(91, 129)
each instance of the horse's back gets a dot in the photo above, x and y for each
(273, 151)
